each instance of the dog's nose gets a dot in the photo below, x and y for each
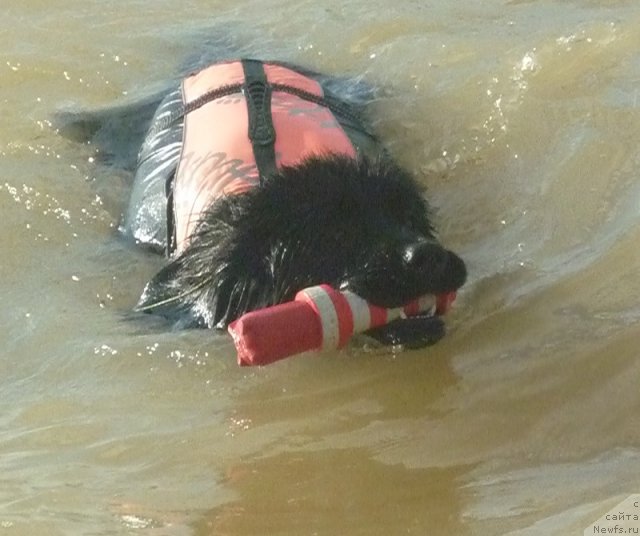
(444, 270)
(423, 255)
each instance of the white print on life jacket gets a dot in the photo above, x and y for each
(206, 177)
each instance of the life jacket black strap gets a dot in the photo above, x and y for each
(257, 93)
(341, 110)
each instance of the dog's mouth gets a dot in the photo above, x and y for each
(412, 332)
(390, 285)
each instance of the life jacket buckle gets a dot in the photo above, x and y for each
(258, 96)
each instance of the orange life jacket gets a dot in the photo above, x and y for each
(223, 135)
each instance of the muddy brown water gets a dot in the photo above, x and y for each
(523, 120)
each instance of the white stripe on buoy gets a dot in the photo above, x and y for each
(395, 313)
(328, 316)
(360, 310)
(427, 304)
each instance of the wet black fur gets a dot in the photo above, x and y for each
(329, 220)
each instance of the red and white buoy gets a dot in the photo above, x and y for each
(319, 318)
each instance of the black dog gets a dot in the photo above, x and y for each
(258, 180)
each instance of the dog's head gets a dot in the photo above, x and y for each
(329, 220)
(398, 264)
